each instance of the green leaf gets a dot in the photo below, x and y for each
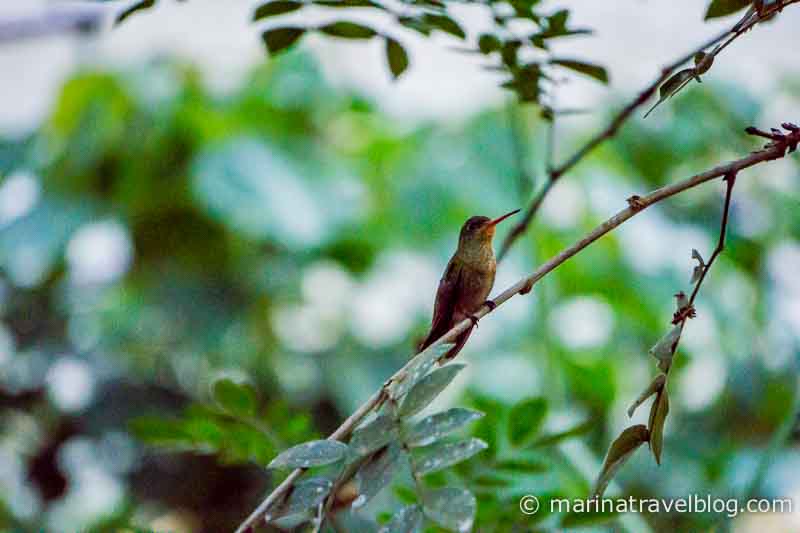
(658, 416)
(574, 520)
(525, 419)
(306, 495)
(396, 57)
(158, 431)
(451, 508)
(130, 10)
(444, 23)
(312, 453)
(555, 438)
(407, 520)
(593, 71)
(278, 7)
(375, 474)
(428, 388)
(721, 8)
(374, 435)
(348, 30)
(281, 38)
(418, 369)
(672, 86)
(236, 398)
(446, 454)
(523, 465)
(434, 427)
(488, 43)
(618, 453)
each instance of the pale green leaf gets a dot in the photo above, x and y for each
(407, 520)
(451, 508)
(434, 427)
(446, 454)
(312, 453)
(428, 388)
(377, 434)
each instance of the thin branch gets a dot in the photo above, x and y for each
(731, 181)
(622, 116)
(773, 151)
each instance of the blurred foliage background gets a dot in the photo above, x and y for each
(156, 237)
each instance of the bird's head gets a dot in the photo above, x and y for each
(479, 230)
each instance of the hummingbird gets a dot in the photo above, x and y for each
(466, 282)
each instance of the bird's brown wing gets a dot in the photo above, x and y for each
(446, 297)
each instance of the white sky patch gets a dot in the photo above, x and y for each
(70, 384)
(582, 322)
(564, 205)
(326, 284)
(305, 328)
(100, 252)
(400, 287)
(507, 376)
(702, 381)
(19, 192)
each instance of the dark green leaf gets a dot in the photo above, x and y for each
(555, 438)
(308, 454)
(407, 520)
(525, 420)
(594, 71)
(451, 508)
(130, 10)
(396, 57)
(444, 23)
(237, 398)
(672, 86)
(434, 427)
(721, 8)
(488, 43)
(281, 38)
(445, 454)
(278, 7)
(348, 30)
(428, 388)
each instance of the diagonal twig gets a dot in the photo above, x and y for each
(773, 151)
(624, 114)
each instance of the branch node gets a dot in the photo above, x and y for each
(635, 202)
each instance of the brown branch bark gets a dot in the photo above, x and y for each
(623, 115)
(775, 150)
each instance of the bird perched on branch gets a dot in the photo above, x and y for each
(467, 281)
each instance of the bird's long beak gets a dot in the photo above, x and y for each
(502, 218)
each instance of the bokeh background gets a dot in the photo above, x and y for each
(176, 208)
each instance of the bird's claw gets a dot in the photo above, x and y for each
(490, 304)
(474, 320)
